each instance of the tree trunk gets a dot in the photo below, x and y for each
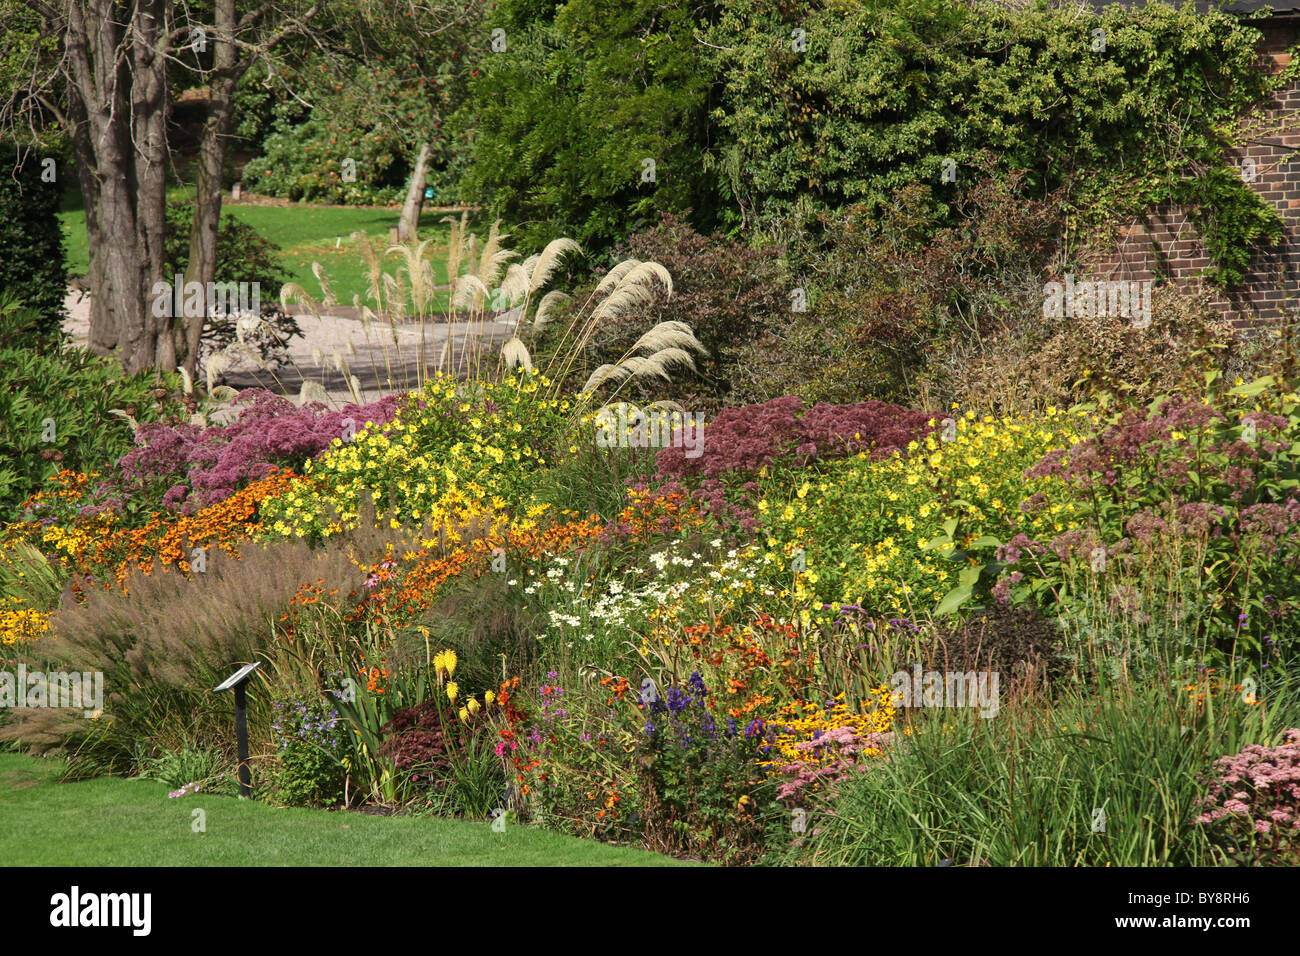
(120, 78)
(103, 324)
(227, 71)
(408, 226)
(150, 107)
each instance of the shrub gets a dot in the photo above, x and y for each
(56, 403)
(369, 110)
(564, 117)
(33, 268)
(310, 741)
(893, 294)
(883, 96)
(1032, 365)
(740, 441)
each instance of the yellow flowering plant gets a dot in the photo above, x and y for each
(897, 536)
(456, 454)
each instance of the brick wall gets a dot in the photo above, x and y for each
(1166, 245)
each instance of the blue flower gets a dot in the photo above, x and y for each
(696, 684)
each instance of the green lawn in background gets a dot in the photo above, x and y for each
(304, 233)
(132, 822)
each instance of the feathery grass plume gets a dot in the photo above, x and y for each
(549, 261)
(324, 281)
(470, 293)
(669, 335)
(187, 383)
(546, 306)
(632, 290)
(493, 256)
(293, 292)
(217, 363)
(514, 286)
(515, 354)
(312, 392)
(616, 274)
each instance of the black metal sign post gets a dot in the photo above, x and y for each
(237, 682)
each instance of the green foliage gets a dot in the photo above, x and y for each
(701, 787)
(564, 116)
(885, 94)
(33, 269)
(1187, 512)
(55, 403)
(311, 742)
(896, 298)
(192, 763)
(371, 112)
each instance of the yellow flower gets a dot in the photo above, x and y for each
(463, 715)
(474, 706)
(490, 698)
(452, 691)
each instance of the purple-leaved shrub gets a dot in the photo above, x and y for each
(743, 440)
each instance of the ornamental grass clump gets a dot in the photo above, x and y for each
(1252, 810)
(164, 644)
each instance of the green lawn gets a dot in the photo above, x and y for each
(132, 822)
(303, 233)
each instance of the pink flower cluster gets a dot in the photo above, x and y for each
(1255, 800)
(844, 744)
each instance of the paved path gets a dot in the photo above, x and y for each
(331, 333)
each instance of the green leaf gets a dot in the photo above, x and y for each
(954, 599)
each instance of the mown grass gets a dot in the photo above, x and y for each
(304, 233)
(132, 822)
